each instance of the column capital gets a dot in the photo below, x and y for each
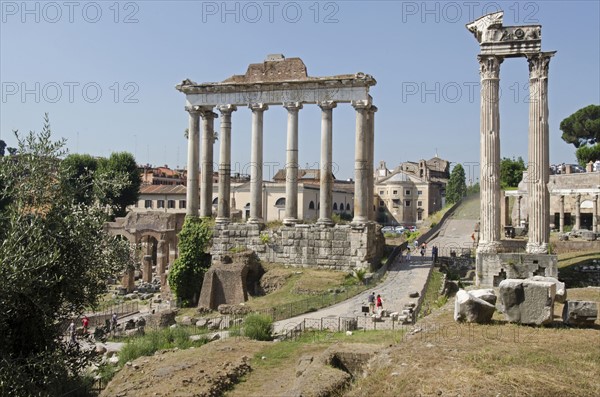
(489, 66)
(195, 109)
(207, 113)
(539, 64)
(227, 109)
(373, 109)
(327, 105)
(361, 105)
(258, 107)
(293, 106)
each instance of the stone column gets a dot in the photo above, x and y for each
(193, 160)
(490, 153)
(326, 185)
(595, 215)
(223, 209)
(256, 159)
(370, 165)
(147, 269)
(538, 169)
(361, 190)
(561, 220)
(291, 164)
(578, 212)
(519, 211)
(507, 211)
(162, 251)
(206, 161)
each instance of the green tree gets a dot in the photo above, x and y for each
(585, 154)
(511, 172)
(473, 189)
(582, 127)
(54, 259)
(457, 187)
(119, 165)
(80, 170)
(187, 272)
(2, 147)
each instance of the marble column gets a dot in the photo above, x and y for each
(206, 161)
(326, 186)
(595, 215)
(291, 164)
(256, 167)
(162, 251)
(578, 212)
(519, 198)
(147, 269)
(193, 161)
(561, 216)
(538, 168)
(223, 209)
(361, 190)
(490, 153)
(370, 163)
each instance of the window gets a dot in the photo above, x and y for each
(347, 206)
(216, 201)
(311, 205)
(419, 203)
(395, 192)
(407, 203)
(147, 203)
(160, 203)
(181, 204)
(335, 206)
(381, 192)
(407, 192)
(395, 203)
(420, 215)
(280, 202)
(171, 204)
(419, 192)
(381, 203)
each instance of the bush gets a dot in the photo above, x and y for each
(258, 327)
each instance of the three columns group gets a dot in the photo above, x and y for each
(201, 204)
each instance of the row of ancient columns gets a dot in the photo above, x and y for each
(363, 170)
(538, 161)
(577, 226)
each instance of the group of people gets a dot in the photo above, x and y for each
(421, 249)
(85, 324)
(375, 303)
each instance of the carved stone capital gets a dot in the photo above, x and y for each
(293, 106)
(361, 105)
(207, 113)
(539, 63)
(373, 109)
(258, 107)
(193, 109)
(227, 109)
(327, 105)
(489, 66)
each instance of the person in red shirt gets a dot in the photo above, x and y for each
(85, 322)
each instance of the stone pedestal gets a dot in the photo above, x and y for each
(147, 269)
(492, 268)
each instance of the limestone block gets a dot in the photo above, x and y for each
(581, 313)
(561, 290)
(527, 301)
(472, 309)
(487, 295)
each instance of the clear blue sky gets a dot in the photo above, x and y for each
(110, 85)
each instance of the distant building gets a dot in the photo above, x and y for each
(172, 199)
(161, 176)
(411, 192)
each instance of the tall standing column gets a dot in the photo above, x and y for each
(595, 215)
(370, 163)
(256, 159)
(326, 188)
(206, 161)
(578, 212)
(538, 169)
(223, 209)
(360, 163)
(291, 164)
(162, 252)
(519, 198)
(561, 216)
(193, 160)
(490, 153)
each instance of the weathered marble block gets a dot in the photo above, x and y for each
(580, 313)
(527, 301)
(472, 309)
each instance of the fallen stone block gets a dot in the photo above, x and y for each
(487, 295)
(472, 309)
(561, 291)
(527, 301)
(580, 313)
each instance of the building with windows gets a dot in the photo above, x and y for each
(411, 192)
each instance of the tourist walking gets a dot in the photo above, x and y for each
(71, 331)
(408, 253)
(85, 322)
(434, 254)
(371, 300)
(379, 304)
(113, 323)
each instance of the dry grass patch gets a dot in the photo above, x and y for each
(501, 359)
